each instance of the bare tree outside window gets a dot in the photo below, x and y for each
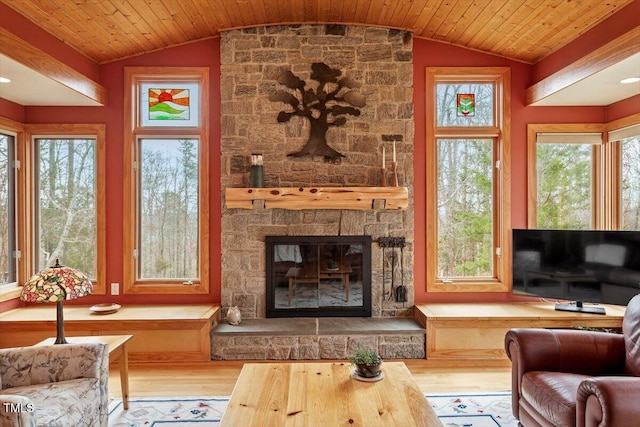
(7, 214)
(66, 203)
(564, 176)
(630, 212)
(168, 240)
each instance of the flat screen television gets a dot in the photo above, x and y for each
(580, 269)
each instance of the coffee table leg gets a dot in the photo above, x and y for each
(124, 376)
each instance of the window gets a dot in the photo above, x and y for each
(66, 219)
(624, 140)
(581, 176)
(630, 183)
(166, 194)
(565, 177)
(8, 266)
(68, 196)
(467, 192)
(168, 214)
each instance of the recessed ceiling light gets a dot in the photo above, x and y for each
(5, 80)
(630, 80)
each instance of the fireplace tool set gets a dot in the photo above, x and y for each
(397, 293)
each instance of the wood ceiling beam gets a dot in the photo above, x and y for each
(611, 53)
(45, 64)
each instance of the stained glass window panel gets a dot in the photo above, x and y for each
(465, 104)
(169, 104)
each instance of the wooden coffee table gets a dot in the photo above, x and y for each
(117, 350)
(325, 394)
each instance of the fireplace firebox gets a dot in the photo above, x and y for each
(318, 276)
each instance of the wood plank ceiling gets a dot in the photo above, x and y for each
(524, 30)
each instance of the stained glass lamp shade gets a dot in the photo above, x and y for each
(56, 284)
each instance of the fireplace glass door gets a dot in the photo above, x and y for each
(318, 276)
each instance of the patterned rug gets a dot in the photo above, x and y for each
(454, 410)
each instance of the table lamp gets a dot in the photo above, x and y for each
(56, 284)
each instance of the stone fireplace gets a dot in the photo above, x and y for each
(251, 62)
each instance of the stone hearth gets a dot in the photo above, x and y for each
(317, 338)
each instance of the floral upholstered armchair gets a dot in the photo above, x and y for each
(57, 385)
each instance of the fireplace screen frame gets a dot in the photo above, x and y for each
(274, 276)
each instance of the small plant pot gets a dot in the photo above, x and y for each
(368, 370)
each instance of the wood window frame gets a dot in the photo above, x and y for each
(27, 168)
(9, 292)
(600, 152)
(613, 173)
(133, 77)
(501, 134)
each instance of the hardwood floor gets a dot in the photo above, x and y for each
(217, 378)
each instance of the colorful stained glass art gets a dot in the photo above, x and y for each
(466, 105)
(169, 104)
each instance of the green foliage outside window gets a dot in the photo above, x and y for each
(465, 208)
(564, 186)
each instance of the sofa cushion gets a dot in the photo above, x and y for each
(552, 395)
(65, 403)
(631, 331)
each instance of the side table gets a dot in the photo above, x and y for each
(117, 350)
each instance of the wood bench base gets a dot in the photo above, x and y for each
(464, 331)
(160, 332)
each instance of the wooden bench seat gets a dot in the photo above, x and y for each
(464, 331)
(160, 332)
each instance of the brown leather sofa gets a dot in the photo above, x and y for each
(575, 377)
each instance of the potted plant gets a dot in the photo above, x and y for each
(367, 361)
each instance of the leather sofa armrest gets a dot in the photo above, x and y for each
(566, 350)
(608, 401)
(561, 350)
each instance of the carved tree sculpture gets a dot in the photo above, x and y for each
(324, 107)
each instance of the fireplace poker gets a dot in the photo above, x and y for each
(393, 273)
(401, 292)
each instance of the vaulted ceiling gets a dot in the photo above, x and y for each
(522, 30)
(525, 30)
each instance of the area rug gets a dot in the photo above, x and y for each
(454, 410)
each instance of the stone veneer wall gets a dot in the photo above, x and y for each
(251, 62)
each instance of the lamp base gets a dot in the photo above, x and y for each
(60, 339)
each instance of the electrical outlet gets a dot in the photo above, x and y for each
(115, 289)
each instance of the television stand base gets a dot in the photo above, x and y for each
(580, 308)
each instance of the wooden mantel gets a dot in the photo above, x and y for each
(360, 198)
